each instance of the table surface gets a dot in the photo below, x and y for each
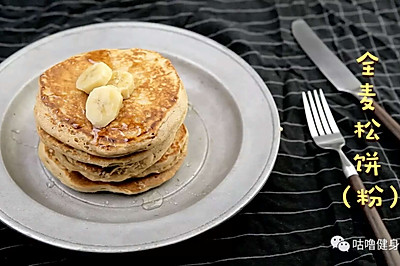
(299, 210)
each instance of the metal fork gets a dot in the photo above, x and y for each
(326, 135)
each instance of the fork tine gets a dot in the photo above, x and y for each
(321, 113)
(328, 113)
(309, 117)
(315, 114)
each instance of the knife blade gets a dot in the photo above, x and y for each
(335, 70)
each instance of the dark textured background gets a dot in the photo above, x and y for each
(291, 221)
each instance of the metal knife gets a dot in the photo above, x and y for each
(335, 70)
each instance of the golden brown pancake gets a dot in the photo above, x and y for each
(77, 182)
(147, 157)
(135, 170)
(155, 109)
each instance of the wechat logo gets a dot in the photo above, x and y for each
(339, 243)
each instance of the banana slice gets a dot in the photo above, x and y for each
(123, 80)
(103, 105)
(94, 76)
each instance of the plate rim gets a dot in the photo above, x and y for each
(244, 200)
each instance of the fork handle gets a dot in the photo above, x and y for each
(387, 120)
(392, 257)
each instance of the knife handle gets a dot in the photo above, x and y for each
(387, 120)
(392, 257)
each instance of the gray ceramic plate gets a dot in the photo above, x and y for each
(234, 138)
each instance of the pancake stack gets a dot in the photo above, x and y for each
(143, 147)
